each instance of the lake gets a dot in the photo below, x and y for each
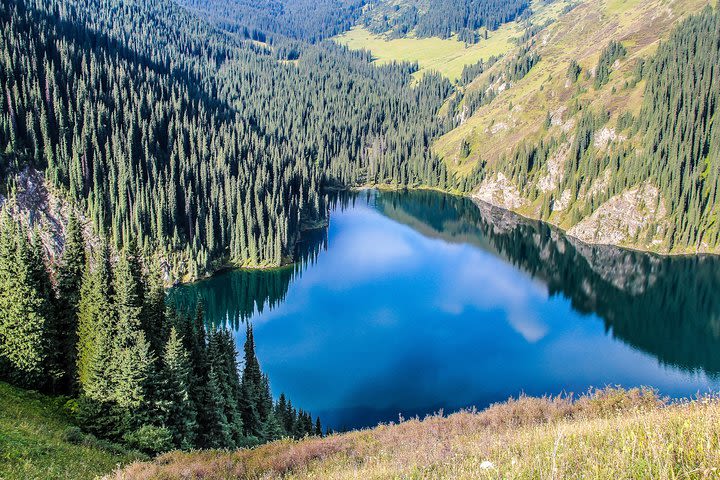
(411, 303)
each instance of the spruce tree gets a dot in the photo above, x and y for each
(70, 274)
(182, 419)
(251, 396)
(192, 331)
(221, 357)
(215, 431)
(96, 328)
(272, 429)
(25, 309)
(318, 427)
(132, 362)
(154, 322)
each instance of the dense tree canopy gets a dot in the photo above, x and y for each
(442, 18)
(202, 146)
(156, 386)
(309, 20)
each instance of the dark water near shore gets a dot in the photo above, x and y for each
(414, 302)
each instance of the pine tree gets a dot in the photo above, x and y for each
(192, 331)
(221, 356)
(25, 309)
(154, 323)
(96, 328)
(251, 388)
(132, 362)
(178, 371)
(69, 282)
(272, 429)
(215, 430)
(281, 413)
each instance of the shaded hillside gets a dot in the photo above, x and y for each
(309, 20)
(204, 148)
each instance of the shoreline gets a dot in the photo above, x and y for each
(390, 188)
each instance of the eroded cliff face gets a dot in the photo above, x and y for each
(500, 192)
(45, 210)
(41, 207)
(637, 218)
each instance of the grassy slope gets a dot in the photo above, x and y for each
(446, 56)
(518, 114)
(579, 35)
(609, 434)
(33, 445)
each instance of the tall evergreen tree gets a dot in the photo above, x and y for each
(132, 362)
(221, 357)
(216, 431)
(96, 327)
(251, 393)
(25, 309)
(154, 322)
(70, 274)
(182, 419)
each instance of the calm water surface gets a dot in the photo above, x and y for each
(414, 302)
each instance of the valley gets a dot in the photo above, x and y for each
(342, 238)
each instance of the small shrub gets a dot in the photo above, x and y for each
(74, 435)
(150, 439)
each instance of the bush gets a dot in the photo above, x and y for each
(150, 439)
(73, 435)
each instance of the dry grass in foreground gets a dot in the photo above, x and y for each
(611, 433)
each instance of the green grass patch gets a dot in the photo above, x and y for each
(432, 54)
(448, 56)
(38, 440)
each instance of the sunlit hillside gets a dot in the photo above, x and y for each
(518, 113)
(450, 56)
(596, 436)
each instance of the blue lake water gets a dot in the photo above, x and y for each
(409, 303)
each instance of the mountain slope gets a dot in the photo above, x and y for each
(580, 139)
(597, 436)
(448, 55)
(309, 20)
(205, 148)
(440, 18)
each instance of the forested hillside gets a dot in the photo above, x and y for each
(441, 18)
(145, 143)
(614, 141)
(309, 20)
(312, 21)
(201, 147)
(141, 375)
